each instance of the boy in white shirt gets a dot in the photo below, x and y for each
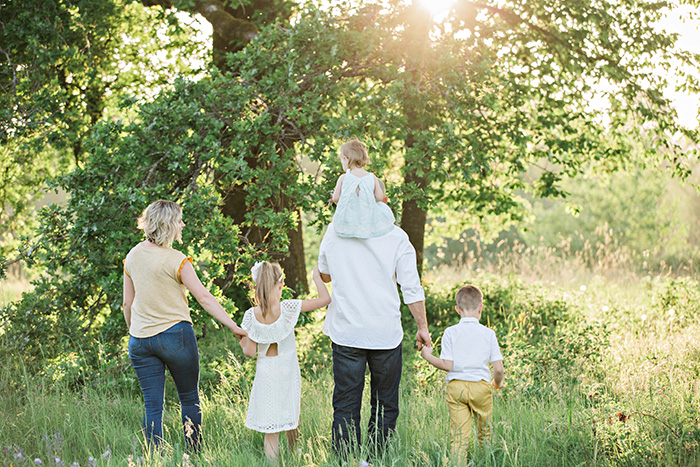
(467, 349)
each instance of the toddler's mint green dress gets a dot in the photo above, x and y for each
(358, 214)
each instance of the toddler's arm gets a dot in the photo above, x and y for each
(337, 189)
(324, 297)
(379, 191)
(427, 353)
(249, 347)
(498, 373)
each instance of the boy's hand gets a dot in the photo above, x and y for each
(426, 350)
(496, 385)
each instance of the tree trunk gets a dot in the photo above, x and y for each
(294, 263)
(232, 30)
(413, 217)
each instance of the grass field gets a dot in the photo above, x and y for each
(599, 371)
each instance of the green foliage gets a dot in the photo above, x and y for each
(66, 65)
(452, 116)
(541, 335)
(85, 241)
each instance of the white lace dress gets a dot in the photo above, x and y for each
(276, 395)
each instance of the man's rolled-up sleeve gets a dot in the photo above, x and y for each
(407, 274)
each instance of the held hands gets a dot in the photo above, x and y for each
(423, 339)
(239, 332)
(426, 350)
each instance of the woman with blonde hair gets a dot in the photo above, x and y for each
(156, 280)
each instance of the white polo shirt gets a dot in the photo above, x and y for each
(364, 311)
(471, 346)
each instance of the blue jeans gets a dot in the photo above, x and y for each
(349, 366)
(176, 349)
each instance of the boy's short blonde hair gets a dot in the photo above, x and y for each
(356, 152)
(160, 222)
(469, 298)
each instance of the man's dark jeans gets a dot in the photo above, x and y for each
(176, 349)
(349, 366)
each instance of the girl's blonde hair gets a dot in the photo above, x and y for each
(160, 222)
(356, 152)
(268, 276)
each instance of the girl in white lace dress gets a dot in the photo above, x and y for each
(362, 211)
(276, 395)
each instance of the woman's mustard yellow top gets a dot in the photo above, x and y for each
(160, 299)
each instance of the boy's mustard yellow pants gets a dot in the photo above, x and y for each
(467, 399)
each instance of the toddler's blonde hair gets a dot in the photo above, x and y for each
(160, 222)
(356, 152)
(469, 298)
(268, 276)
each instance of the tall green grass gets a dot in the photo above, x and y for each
(601, 369)
(53, 422)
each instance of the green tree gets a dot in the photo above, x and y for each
(469, 103)
(454, 112)
(64, 66)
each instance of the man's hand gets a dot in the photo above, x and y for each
(418, 311)
(423, 339)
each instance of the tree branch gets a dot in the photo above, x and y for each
(224, 24)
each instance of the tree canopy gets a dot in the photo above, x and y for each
(454, 111)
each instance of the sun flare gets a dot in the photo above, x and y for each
(437, 7)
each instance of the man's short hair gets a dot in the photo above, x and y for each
(469, 298)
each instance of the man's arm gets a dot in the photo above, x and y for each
(418, 312)
(413, 293)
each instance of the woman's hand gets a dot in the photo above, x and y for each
(239, 332)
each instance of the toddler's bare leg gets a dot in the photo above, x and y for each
(272, 445)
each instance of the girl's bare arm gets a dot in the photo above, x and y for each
(324, 298)
(249, 347)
